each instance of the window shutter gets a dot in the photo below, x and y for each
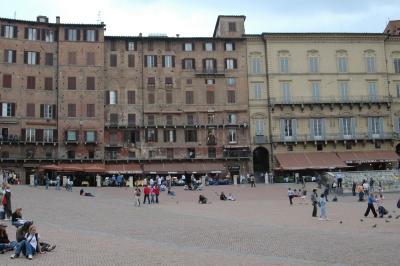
(353, 126)
(156, 135)
(23, 134)
(369, 121)
(26, 33)
(37, 34)
(194, 63)
(1, 109)
(341, 127)
(183, 46)
(234, 63)
(107, 97)
(3, 29)
(226, 63)
(174, 135)
(54, 115)
(215, 64)
(294, 128)
(56, 35)
(163, 61)
(43, 34)
(5, 55)
(323, 127)
(25, 57)
(137, 135)
(146, 135)
(193, 46)
(84, 34)
(183, 63)
(145, 60)
(165, 135)
(66, 34)
(155, 61)
(204, 46)
(42, 110)
(39, 134)
(37, 58)
(14, 56)
(233, 46)
(96, 35)
(13, 108)
(213, 46)
(204, 64)
(173, 61)
(127, 45)
(381, 126)
(312, 128)
(78, 35)
(55, 135)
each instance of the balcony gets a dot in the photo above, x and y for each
(260, 139)
(330, 101)
(210, 72)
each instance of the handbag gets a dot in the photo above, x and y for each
(4, 200)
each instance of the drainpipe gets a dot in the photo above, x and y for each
(388, 84)
(269, 116)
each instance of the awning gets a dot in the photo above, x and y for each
(94, 168)
(131, 168)
(312, 160)
(52, 167)
(368, 156)
(175, 168)
(83, 167)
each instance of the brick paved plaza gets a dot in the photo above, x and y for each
(258, 229)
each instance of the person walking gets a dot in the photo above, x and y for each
(326, 192)
(314, 201)
(353, 188)
(371, 200)
(137, 196)
(47, 181)
(58, 179)
(252, 181)
(6, 202)
(290, 195)
(146, 192)
(156, 192)
(322, 206)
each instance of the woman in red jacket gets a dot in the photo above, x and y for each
(156, 192)
(146, 192)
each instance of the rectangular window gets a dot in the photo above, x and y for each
(257, 91)
(71, 110)
(31, 83)
(229, 46)
(209, 65)
(232, 119)
(113, 119)
(188, 64)
(30, 135)
(90, 35)
(317, 127)
(315, 91)
(90, 110)
(285, 93)
(30, 110)
(72, 35)
(151, 135)
(151, 61)
(72, 83)
(370, 62)
(396, 63)
(168, 61)
(284, 64)
(48, 135)
(7, 81)
(131, 46)
(190, 135)
(375, 126)
(47, 111)
(113, 60)
(259, 127)
(168, 96)
(342, 64)
(113, 97)
(169, 120)
(209, 46)
(72, 135)
(313, 64)
(49, 36)
(188, 47)
(344, 90)
(9, 31)
(288, 128)
(169, 135)
(346, 125)
(210, 81)
(48, 59)
(212, 153)
(255, 65)
(90, 59)
(231, 82)
(210, 119)
(231, 96)
(151, 82)
(232, 26)
(10, 56)
(151, 98)
(131, 120)
(230, 63)
(131, 60)
(90, 83)
(131, 97)
(398, 89)
(190, 119)
(232, 136)
(31, 58)
(210, 97)
(168, 82)
(189, 97)
(32, 34)
(372, 91)
(7, 109)
(72, 58)
(90, 136)
(150, 120)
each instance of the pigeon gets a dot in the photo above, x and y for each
(398, 216)
(341, 222)
(387, 221)
(361, 220)
(374, 225)
(390, 216)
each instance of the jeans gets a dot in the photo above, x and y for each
(372, 208)
(156, 198)
(152, 198)
(25, 247)
(290, 200)
(8, 246)
(146, 197)
(323, 212)
(314, 212)
(58, 185)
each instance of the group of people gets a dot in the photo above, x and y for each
(10, 177)
(151, 194)
(296, 194)
(364, 188)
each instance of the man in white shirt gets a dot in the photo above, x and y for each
(151, 182)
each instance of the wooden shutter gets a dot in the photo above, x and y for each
(155, 135)
(234, 63)
(233, 46)
(54, 115)
(226, 63)
(66, 35)
(194, 63)
(78, 35)
(14, 56)
(13, 108)
(3, 30)
(37, 34)
(127, 45)
(96, 35)
(163, 61)
(183, 64)
(25, 57)
(131, 60)
(166, 135)
(146, 135)
(37, 58)
(26, 33)
(84, 34)
(56, 35)
(39, 134)
(173, 61)
(193, 46)
(43, 34)
(145, 60)
(55, 135)
(1, 109)
(42, 110)
(107, 97)
(137, 135)
(155, 60)
(23, 134)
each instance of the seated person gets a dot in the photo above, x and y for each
(202, 199)
(170, 192)
(30, 245)
(222, 196)
(185, 187)
(16, 218)
(295, 193)
(230, 197)
(87, 194)
(5, 244)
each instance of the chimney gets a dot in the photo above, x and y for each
(140, 34)
(177, 35)
(58, 19)
(42, 19)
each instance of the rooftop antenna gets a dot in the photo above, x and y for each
(99, 17)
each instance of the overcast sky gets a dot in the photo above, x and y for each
(197, 18)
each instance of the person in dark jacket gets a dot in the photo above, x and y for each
(5, 243)
(6, 201)
(314, 201)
